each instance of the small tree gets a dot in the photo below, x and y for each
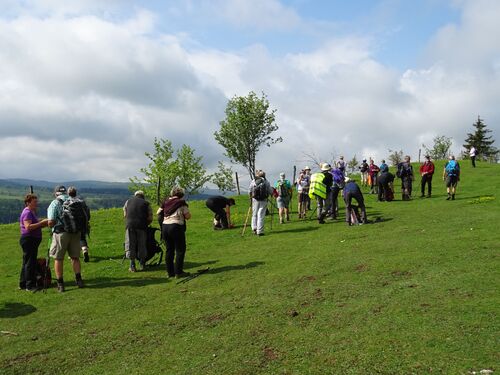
(352, 164)
(483, 143)
(170, 168)
(440, 149)
(395, 157)
(223, 178)
(248, 125)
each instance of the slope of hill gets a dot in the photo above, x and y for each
(413, 293)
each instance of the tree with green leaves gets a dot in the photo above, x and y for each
(248, 125)
(223, 178)
(168, 168)
(352, 164)
(481, 141)
(440, 148)
(395, 157)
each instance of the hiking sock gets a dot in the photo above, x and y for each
(60, 285)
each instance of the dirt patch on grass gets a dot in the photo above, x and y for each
(270, 354)
(399, 273)
(362, 268)
(24, 358)
(293, 313)
(307, 278)
(213, 319)
(318, 293)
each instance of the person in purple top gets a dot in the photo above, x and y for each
(31, 236)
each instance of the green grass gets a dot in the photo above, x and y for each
(415, 293)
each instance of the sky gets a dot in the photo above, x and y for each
(86, 85)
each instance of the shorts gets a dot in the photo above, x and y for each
(304, 197)
(451, 181)
(62, 242)
(282, 202)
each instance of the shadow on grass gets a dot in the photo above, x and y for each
(109, 282)
(299, 230)
(15, 309)
(188, 265)
(235, 268)
(97, 259)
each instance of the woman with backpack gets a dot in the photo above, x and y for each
(31, 236)
(284, 190)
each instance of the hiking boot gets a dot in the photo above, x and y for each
(132, 269)
(79, 283)
(448, 198)
(86, 256)
(453, 197)
(260, 234)
(182, 275)
(60, 287)
(32, 289)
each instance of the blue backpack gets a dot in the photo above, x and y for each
(338, 177)
(452, 168)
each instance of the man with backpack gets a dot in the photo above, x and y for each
(405, 173)
(138, 214)
(427, 171)
(284, 189)
(66, 218)
(385, 189)
(451, 173)
(338, 184)
(259, 191)
(86, 228)
(303, 183)
(321, 185)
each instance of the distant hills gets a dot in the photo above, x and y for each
(97, 194)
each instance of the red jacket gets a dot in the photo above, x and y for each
(428, 167)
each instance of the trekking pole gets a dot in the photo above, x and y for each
(47, 263)
(246, 220)
(193, 276)
(271, 214)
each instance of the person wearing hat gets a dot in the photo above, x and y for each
(138, 214)
(426, 171)
(283, 188)
(363, 168)
(303, 183)
(259, 191)
(63, 241)
(321, 186)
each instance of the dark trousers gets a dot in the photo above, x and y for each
(473, 159)
(348, 206)
(175, 238)
(27, 278)
(406, 187)
(427, 179)
(335, 201)
(383, 191)
(220, 214)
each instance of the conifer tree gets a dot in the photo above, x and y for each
(481, 141)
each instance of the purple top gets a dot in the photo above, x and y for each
(28, 215)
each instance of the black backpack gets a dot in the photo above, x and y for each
(74, 216)
(404, 170)
(260, 192)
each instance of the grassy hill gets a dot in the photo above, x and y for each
(415, 293)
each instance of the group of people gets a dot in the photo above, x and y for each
(69, 217)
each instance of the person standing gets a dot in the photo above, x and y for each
(451, 174)
(405, 172)
(284, 189)
(259, 191)
(86, 230)
(352, 191)
(337, 185)
(31, 236)
(363, 168)
(472, 154)
(341, 164)
(221, 207)
(373, 170)
(303, 183)
(138, 214)
(175, 213)
(321, 186)
(384, 167)
(427, 171)
(63, 240)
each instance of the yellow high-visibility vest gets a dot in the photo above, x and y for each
(317, 188)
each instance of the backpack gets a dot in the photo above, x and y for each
(74, 217)
(338, 178)
(404, 170)
(452, 168)
(260, 192)
(282, 189)
(43, 274)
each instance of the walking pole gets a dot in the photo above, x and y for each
(47, 263)
(270, 201)
(246, 220)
